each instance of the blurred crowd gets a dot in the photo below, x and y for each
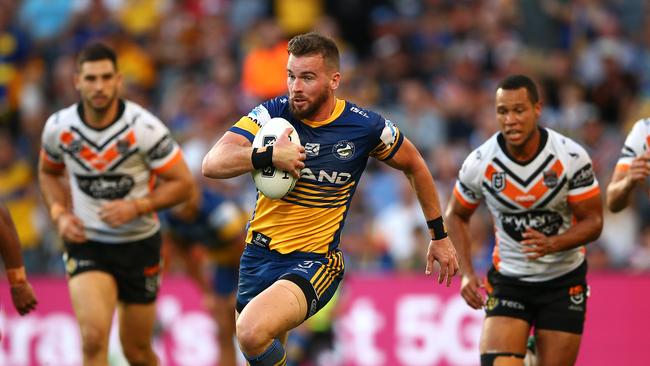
(430, 66)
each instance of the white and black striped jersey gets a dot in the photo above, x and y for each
(636, 144)
(119, 161)
(533, 194)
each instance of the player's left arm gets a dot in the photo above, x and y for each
(174, 186)
(441, 249)
(588, 224)
(584, 200)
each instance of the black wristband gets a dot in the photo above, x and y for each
(438, 227)
(262, 159)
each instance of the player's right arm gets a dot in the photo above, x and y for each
(457, 220)
(56, 193)
(462, 203)
(624, 179)
(232, 156)
(632, 168)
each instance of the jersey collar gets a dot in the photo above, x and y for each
(543, 138)
(338, 110)
(121, 106)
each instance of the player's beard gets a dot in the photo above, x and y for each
(101, 108)
(309, 111)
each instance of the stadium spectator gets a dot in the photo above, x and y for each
(291, 265)
(111, 151)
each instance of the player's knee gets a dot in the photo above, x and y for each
(138, 354)
(94, 341)
(251, 336)
(502, 359)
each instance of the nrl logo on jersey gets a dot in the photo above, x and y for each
(499, 181)
(312, 149)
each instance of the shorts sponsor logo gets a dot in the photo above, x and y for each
(577, 299)
(151, 285)
(70, 265)
(313, 307)
(491, 303)
(512, 304)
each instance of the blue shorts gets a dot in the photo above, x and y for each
(318, 275)
(224, 281)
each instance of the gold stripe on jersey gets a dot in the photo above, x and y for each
(326, 274)
(294, 227)
(311, 195)
(248, 125)
(382, 151)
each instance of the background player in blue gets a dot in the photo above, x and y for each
(291, 265)
(210, 221)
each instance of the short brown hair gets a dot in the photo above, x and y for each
(315, 44)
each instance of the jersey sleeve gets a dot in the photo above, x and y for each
(635, 145)
(390, 140)
(248, 125)
(161, 151)
(468, 185)
(582, 179)
(51, 153)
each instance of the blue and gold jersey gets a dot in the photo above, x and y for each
(311, 217)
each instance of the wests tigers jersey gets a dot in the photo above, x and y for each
(533, 194)
(116, 162)
(636, 144)
(311, 217)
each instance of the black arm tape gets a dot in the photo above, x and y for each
(262, 159)
(438, 227)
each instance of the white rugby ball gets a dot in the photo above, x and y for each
(272, 182)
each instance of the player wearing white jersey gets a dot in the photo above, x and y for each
(632, 168)
(541, 191)
(113, 151)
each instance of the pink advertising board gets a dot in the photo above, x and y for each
(382, 320)
(49, 336)
(392, 321)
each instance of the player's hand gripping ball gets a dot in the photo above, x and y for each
(272, 182)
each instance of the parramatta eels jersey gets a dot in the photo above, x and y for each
(117, 162)
(533, 194)
(311, 217)
(636, 144)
